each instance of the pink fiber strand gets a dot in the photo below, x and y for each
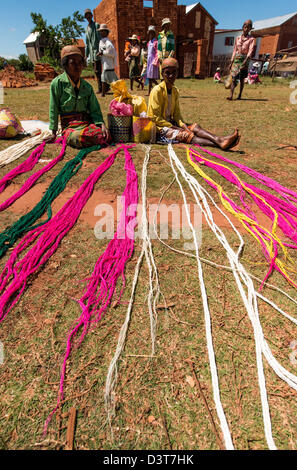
(33, 178)
(109, 268)
(238, 209)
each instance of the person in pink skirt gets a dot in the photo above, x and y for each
(152, 71)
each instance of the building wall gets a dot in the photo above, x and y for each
(127, 17)
(31, 52)
(269, 45)
(194, 59)
(219, 47)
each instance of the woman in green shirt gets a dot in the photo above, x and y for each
(73, 99)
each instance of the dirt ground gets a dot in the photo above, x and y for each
(165, 401)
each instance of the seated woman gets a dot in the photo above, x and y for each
(164, 110)
(74, 100)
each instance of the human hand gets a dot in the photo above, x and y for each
(51, 138)
(105, 132)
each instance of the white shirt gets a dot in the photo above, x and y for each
(108, 59)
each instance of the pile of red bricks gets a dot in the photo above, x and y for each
(44, 72)
(12, 78)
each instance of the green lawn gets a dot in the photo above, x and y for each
(158, 404)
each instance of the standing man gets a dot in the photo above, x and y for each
(166, 42)
(108, 56)
(242, 53)
(92, 39)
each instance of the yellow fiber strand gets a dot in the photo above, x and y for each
(245, 219)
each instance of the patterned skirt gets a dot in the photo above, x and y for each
(82, 134)
(236, 71)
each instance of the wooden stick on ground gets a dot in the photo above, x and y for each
(213, 424)
(70, 429)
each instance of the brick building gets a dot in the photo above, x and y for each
(276, 34)
(192, 26)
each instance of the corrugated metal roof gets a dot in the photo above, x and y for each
(190, 7)
(272, 22)
(31, 38)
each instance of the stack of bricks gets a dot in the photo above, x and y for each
(44, 72)
(12, 78)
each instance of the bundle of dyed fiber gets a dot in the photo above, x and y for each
(286, 193)
(16, 151)
(32, 180)
(24, 167)
(264, 200)
(269, 240)
(25, 223)
(152, 298)
(249, 297)
(109, 268)
(14, 278)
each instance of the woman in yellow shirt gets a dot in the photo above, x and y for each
(164, 110)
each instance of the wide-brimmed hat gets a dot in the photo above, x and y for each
(166, 21)
(169, 62)
(134, 37)
(70, 50)
(88, 11)
(151, 28)
(103, 27)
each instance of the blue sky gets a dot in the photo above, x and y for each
(16, 24)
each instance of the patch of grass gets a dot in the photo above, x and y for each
(149, 389)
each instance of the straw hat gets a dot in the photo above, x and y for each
(166, 21)
(70, 50)
(134, 37)
(151, 28)
(104, 27)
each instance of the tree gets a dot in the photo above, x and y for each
(56, 37)
(25, 63)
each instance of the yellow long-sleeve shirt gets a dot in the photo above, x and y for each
(158, 103)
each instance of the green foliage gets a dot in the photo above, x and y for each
(25, 63)
(56, 37)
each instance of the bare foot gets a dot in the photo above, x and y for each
(229, 98)
(238, 98)
(235, 143)
(226, 142)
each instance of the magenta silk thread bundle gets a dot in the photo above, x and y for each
(33, 178)
(14, 277)
(261, 230)
(108, 269)
(285, 209)
(24, 167)
(270, 183)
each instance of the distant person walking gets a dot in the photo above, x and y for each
(152, 58)
(243, 51)
(133, 55)
(108, 56)
(92, 46)
(166, 41)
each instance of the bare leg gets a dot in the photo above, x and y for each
(104, 88)
(233, 86)
(131, 84)
(241, 89)
(222, 142)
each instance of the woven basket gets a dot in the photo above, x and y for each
(120, 128)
